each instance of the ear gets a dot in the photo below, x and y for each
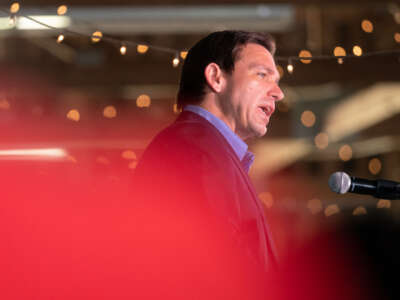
(215, 77)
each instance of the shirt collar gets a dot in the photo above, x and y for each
(234, 140)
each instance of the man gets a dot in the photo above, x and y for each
(196, 170)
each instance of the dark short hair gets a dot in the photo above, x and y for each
(222, 48)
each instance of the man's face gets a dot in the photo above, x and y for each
(248, 100)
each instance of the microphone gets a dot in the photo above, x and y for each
(342, 183)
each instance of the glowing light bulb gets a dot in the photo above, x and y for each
(357, 50)
(62, 10)
(184, 54)
(367, 26)
(14, 8)
(175, 62)
(122, 50)
(96, 36)
(305, 53)
(60, 38)
(142, 48)
(290, 68)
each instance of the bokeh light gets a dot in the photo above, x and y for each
(314, 205)
(62, 10)
(143, 101)
(357, 50)
(142, 48)
(96, 36)
(374, 166)
(308, 118)
(367, 26)
(359, 210)
(110, 112)
(305, 53)
(73, 115)
(321, 140)
(345, 152)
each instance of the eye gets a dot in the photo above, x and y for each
(262, 74)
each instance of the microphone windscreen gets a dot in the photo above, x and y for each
(340, 182)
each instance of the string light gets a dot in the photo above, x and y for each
(14, 8)
(290, 67)
(175, 61)
(374, 166)
(308, 118)
(321, 140)
(110, 112)
(305, 53)
(60, 38)
(62, 10)
(357, 50)
(96, 36)
(314, 205)
(345, 153)
(397, 37)
(367, 26)
(73, 115)
(339, 51)
(122, 49)
(184, 54)
(142, 49)
(143, 101)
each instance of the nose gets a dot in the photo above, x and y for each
(277, 93)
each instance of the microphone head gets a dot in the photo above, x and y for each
(340, 182)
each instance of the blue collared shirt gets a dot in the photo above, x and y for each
(238, 146)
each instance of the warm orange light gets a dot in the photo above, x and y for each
(339, 51)
(60, 38)
(357, 50)
(383, 203)
(367, 26)
(176, 109)
(359, 210)
(122, 50)
(397, 37)
(14, 8)
(4, 104)
(62, 10)
(96, 36)
(184, 54)
(280, 71)
(305, 53)
(132, 164)
(314, 205)
(143, 101)
(128, 154)
(374, 166)
(142, 48)
(73, 115)
(175, 62)
(267, 199)
(331, 210)
(290, 68)
(345, 152)
(308, 118)
(110, 112)
(321, 140)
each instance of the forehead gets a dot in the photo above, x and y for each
(254, 54)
